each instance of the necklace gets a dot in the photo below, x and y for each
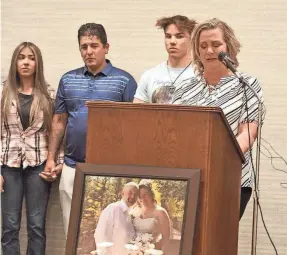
(173, 82)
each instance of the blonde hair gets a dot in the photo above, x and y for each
(41, 97)
(232, 43)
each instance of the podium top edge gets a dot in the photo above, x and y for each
(124, 105)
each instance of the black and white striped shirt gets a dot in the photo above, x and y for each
(229, 95)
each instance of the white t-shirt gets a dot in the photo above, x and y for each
(156, 84)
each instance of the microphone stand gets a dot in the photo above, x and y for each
(256, 189)
(223, 57)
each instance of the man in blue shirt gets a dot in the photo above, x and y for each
(97, 80)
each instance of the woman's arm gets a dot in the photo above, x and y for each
(243, 137)
(250, 115)
(1, 183)
(164, 226)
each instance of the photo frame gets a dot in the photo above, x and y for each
(97, 188)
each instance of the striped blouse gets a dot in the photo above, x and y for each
(229, 95)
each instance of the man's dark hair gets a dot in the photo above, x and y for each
(182, 22)
(93, 29)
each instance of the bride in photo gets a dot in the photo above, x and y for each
(151, 221)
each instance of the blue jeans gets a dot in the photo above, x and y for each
(17, 184)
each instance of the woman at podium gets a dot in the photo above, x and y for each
(216, 85)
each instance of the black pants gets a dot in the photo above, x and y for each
(244, 198)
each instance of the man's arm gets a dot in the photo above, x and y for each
(130, 90)
(57, 133)
(59, 123)
(104, 229)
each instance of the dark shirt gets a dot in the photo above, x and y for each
(25, 107)
(78, 86)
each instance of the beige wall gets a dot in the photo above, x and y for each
(136, 45)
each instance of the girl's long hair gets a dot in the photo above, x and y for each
(42, 100)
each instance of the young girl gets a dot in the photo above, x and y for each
(26, 115)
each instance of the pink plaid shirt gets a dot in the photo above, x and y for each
(27, 147)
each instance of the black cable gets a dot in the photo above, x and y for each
(272, 157)
(252, 166)
(282, 184)
(279, 156)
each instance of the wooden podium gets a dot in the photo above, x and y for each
(180, 137)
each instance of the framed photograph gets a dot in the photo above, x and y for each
(133, 210)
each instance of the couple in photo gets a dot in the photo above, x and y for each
(134, 224)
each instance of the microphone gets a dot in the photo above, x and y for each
(223, 57)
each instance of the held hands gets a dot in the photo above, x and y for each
(51, 171)
(1, 183)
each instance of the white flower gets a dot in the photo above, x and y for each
(141, 242)
(150, 246)
(138, 239)
(153, 252)
(139, 245)
(136, 253)
(130, 247)
(146, 237)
